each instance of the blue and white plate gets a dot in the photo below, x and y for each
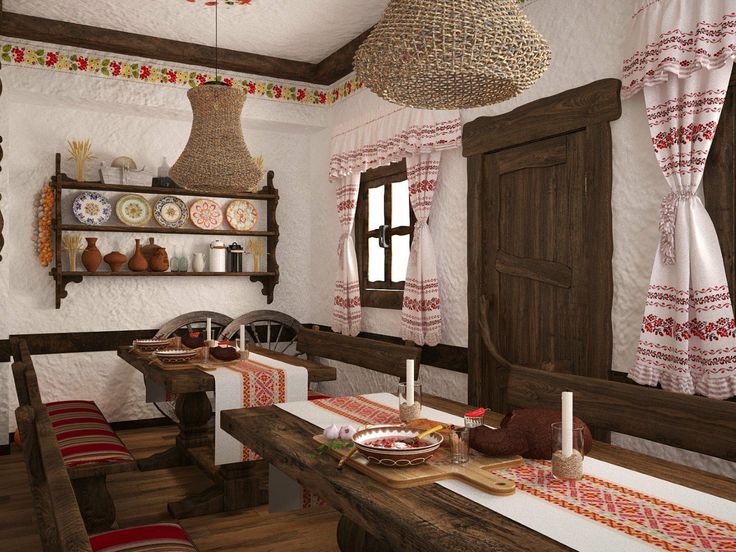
(92, 208)
(171, 212)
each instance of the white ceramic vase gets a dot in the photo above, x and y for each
(198, 262)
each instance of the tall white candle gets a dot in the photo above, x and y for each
(209, 329)
(566, 423)
(410, 382)
(242, 337)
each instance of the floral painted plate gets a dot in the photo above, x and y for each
(133, 210)
(92, 208)
(170, 212)
(205, 214)
(241, 215)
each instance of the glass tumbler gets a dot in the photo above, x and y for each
(570, 467)
(410, 410)
(460, 445)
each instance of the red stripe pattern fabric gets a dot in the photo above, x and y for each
(314, 395)
(84, 435)
(161, 537)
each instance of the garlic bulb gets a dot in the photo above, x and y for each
(347, 432)
(331, 432)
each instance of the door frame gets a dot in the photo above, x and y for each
(590, 109)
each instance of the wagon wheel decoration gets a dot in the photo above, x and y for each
(269, 329)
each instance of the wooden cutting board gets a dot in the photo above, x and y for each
(476, 472)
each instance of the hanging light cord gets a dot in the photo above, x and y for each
(216, 42)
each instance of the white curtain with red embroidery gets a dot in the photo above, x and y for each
(682, 59)
(421, 317)
(346, 313)
(381, 139)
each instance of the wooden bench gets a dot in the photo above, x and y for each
(89, 447)
(699, 424)
(60, 523)
(379, 356)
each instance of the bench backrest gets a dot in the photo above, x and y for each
(24, 375)
(380, 356)
(694, 423)
(61, 527)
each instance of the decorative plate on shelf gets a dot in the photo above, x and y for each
(133, 210)
(92, 208)
(241, 215)
(205, 214)
(170, 212)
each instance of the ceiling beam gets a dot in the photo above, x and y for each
(107, 40)
(339, 63)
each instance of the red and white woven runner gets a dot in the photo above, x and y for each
(258, 381)
(602, 512)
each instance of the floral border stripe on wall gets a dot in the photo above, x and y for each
(99, 65)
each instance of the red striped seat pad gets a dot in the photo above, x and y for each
(314, 395)
(160, 537)
(84, 435)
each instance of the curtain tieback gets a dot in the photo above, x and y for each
(341, 244)
(667, 222)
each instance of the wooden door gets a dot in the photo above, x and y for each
(539, 238)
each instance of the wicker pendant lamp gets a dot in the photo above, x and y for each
(216, 158)
(451, 54)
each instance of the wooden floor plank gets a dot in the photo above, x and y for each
(141, 497)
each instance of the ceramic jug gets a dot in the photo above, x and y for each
(198, 262)
(160, 261)
(138, 262)
(91, 257)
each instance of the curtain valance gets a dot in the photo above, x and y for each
(385, 138)
(677, 37)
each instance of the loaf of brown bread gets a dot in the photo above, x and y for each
(527, 432)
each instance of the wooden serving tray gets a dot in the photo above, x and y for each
(476, 472)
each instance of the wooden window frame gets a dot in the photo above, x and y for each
(383, 294)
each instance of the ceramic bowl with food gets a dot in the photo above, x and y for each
(149, 345)
(175, 356)
(385, 445)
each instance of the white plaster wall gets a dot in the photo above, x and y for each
(41, 110)
(587, 42)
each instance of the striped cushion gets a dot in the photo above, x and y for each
(84, 435)
(314, 395)
(161, 537)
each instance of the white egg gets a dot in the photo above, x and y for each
(331, 432)
(347, 432)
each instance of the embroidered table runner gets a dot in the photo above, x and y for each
(258, 381)
(611, 509)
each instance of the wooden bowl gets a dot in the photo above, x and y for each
(391, 457)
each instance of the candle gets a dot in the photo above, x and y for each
(410, 382)
(566, 423)
(242, 337)
(209, 329)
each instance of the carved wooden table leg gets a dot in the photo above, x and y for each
(95, 503)
(353, 538)
(194, 411)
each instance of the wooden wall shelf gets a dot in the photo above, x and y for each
(269, 278)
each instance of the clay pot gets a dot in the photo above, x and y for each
(148, 251)
(115, 260)
(160, 261)
(138, 262)
(91, 256)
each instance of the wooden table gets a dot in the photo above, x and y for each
(423, 518)
(235, 486)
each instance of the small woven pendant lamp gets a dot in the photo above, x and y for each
(216, 158)
(451, 54)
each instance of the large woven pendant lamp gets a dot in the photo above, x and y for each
(451, 54)
(216, 158)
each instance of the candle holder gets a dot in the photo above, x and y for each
(407, 411)
(568, 467)
(242, 348)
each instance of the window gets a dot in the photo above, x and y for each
(384, 226)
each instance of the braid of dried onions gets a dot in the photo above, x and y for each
(43, 235)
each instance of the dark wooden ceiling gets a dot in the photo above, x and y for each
(332, 68)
